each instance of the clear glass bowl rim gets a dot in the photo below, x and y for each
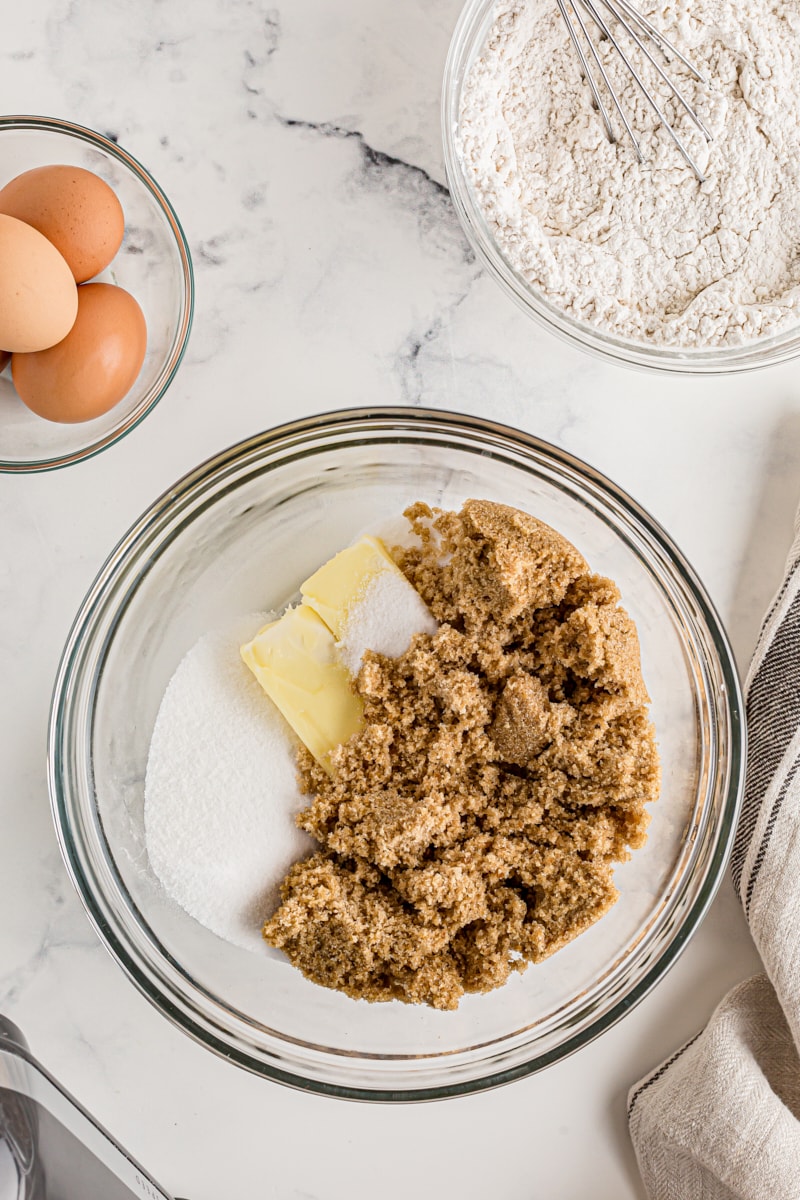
(150, 399)
(669, 360)
(104, 915)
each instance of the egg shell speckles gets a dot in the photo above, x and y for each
(74, 209)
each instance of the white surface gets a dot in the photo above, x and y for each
(300, 146)
(9, 1177)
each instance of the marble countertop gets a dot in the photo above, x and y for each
(300, 146)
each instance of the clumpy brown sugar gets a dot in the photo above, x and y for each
(471, 827)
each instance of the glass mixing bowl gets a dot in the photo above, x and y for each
(467, 42)
(238, 535)
(153, 264)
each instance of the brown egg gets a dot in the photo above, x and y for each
(95, 365)
(75, 209)
(38, 297)
(5, 359)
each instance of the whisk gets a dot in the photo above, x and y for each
(636, 28)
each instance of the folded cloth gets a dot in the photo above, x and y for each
(720, 1119)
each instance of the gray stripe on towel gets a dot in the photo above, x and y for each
(773, 717)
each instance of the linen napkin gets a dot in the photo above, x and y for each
(720, 1119)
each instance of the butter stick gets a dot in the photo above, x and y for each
(295, 661)
(338, 585)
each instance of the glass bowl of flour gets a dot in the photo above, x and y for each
(638, 263)
(234, 540)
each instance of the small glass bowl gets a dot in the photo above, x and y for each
(466, 45)
(237, 536)
(153, 264)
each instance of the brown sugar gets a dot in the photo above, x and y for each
(471, 827)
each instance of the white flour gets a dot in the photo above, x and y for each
(646, 253)
(221, 791)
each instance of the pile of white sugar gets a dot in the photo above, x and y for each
(645, 252)
(384, 619)
(221, 790)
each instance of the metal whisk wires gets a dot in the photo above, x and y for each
(636, 29)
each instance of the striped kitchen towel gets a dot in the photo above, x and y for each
(720, 1119)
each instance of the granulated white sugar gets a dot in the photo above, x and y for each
(384, 618)
(221, 790)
